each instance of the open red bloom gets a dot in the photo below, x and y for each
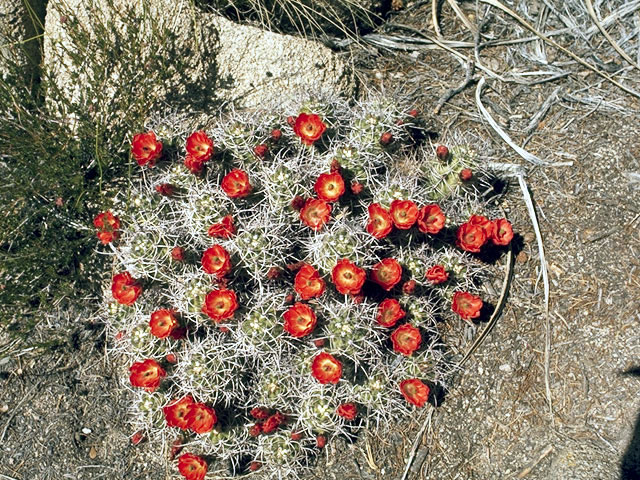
(309, 127)
(107, 224)
(348, 277)
(404, 213)
(308, 283)
(387, 273)
(431, 219)
(483, 222)
(502, 233)
(466, 305)
(347, 411)
(162, 323)
(192, 467)
(299, 320)
(146, 374)
(176, 412)
(145, 148)
(236, 183)
(326, 369)
(315, 213)
(380, 222)
(437, 275)
(223, 229)
(125, 288)
(193, 164)
(220, 305)
(329, 186)
(200, 146)
(470, 237)
(272, 423)
(201, 418)
(216, 261)
(389, 312)
(406, 339)
(415, 392)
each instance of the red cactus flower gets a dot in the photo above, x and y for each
(162, 323)
(220, 304)
(347, 277)
(299, 320)
(199, 146)
(466, 305)
(201, 418)
(415, 392)
(502, 233)
(224, 229)
(146, 374)
(125, 289)
(380, 222)
(470, 238)
(108, 225)
(192, 467)
(315, 213)
(431, 219)
(176, 412)
(437, 275)
(308, 283)
(236, 184)
(387, 273)
(329, 186)
(389, 312)
(348, 411)
(146, 149)
(326, 368)
(406, 339)
(216, 261)
(404, 213)
(309, 127)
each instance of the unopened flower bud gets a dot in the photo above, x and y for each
(260, 150)
(386, 138)
(171, 358)
(356, 187)
(466, 174)
(253, 466)
(321, 441)
(291, 120)
(409, 287)
(177, 253)
(442, 152)
(137, 438)
(413, 113)
(335, 166)
(319, 342)
(165, 189)
(297, 203)
(276, 133)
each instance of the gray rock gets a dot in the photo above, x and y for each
(197, 59)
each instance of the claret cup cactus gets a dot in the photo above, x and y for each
(282, 278)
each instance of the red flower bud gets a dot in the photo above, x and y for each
(297, 203)
(292, 267)
(177, 253)
(137, 438)
(413, 113)
(120, 335)
(356, 187)
(442, 152)
(386, 138)
(296, 436)
(321, 441)
(176, 448)
(335, 166)
(165, 189)
(171, 358)
(358, 299)
(273, 273)
(224, 329)
(409, 287)
(260, 150)
(276, 134)
(255, 430)
(291, 120)
(289, 298)
(319, 342)
(253, 466)
(259, 413)
(466, 174)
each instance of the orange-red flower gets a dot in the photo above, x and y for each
(387, 273)
(308, 283)
(326, 369)
(200, 146)
(348, 411)
(162, 323)
(236, 183)
(309, 127)
(193, 164)
(415, 392)
(220, 304)
(299, 320)
(145, 148)
(466, 305)
(201, 418)
(329, 186)
(380, 222)
(348, 277)
(108, 225)
(125, 289)
(406, 339)
(483, 222)
(502, 232)
(437, 275)
(389, 312)
(224, 229)
(176, 412)
(216, 261)
(315, 213)
(470, 237)
(192, 467)
(431, 219)
(404, 213)
(146, 374)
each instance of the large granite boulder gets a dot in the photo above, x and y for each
(111, 56)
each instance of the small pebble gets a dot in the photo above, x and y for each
(93, 453)
(4, 408)
(86, 431)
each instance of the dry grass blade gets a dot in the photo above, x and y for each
(545, 280)
(496, 313)
(467, 23)
(434, 17)
(613, 43)
(564, 50)
(529, 157)
(416, 443)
